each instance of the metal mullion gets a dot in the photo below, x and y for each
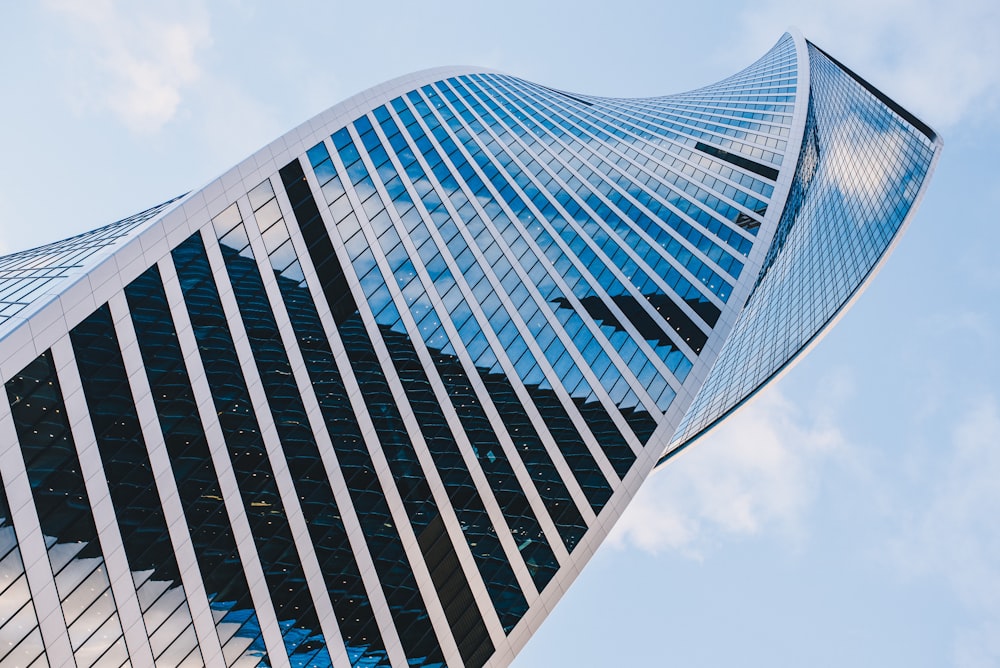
(612, 409)
(87, 608)
(176, 636)
(159, 597)
(110, 647)
(466, 448)
(151, 585)
(190, 654)
(225, 642)
(30, 285)
(616, 238)
(365, 424)
(97, 629)
(209, 641)
(25, 605)
(246, 641)
(275, 449)
(40, 654)
(555, 455)
(5, 561)
(62, 587)
(67, 562)
(452, 523)
(14, 582)
(140, 584)
(232, 499)
(341, 494)
(96, 485)
(181, 604)
(399, 396)
(43, 657)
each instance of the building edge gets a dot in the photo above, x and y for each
(677, 444)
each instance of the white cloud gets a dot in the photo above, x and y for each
(133, 62)
(882, 162)
(938, 59)
(954, 534)
(754, 472)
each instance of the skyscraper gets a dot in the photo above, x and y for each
(374, 396)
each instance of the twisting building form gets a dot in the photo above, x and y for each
(374, 396)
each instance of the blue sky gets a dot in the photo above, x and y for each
(849, 515)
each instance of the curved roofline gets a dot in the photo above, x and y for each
(824, 329)
(211, 198)
(345, 111)
(277, 153)
(264, 162)
(768, 228)
(152, 243)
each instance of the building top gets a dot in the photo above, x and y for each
(864, 165)
(375, 395)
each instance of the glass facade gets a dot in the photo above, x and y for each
(377, 403)
(134, 495)
(65, 516)
(858, 175)
(31, 277)
(20, 639)
(195, 473)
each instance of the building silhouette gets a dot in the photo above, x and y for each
(374, 396)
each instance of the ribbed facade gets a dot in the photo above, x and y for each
(375, 396)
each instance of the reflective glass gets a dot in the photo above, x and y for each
(858, 174)
(134, 493)
(20, 638)
(194, 472)
(29, 276)
(262, 503)
(64, 513)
